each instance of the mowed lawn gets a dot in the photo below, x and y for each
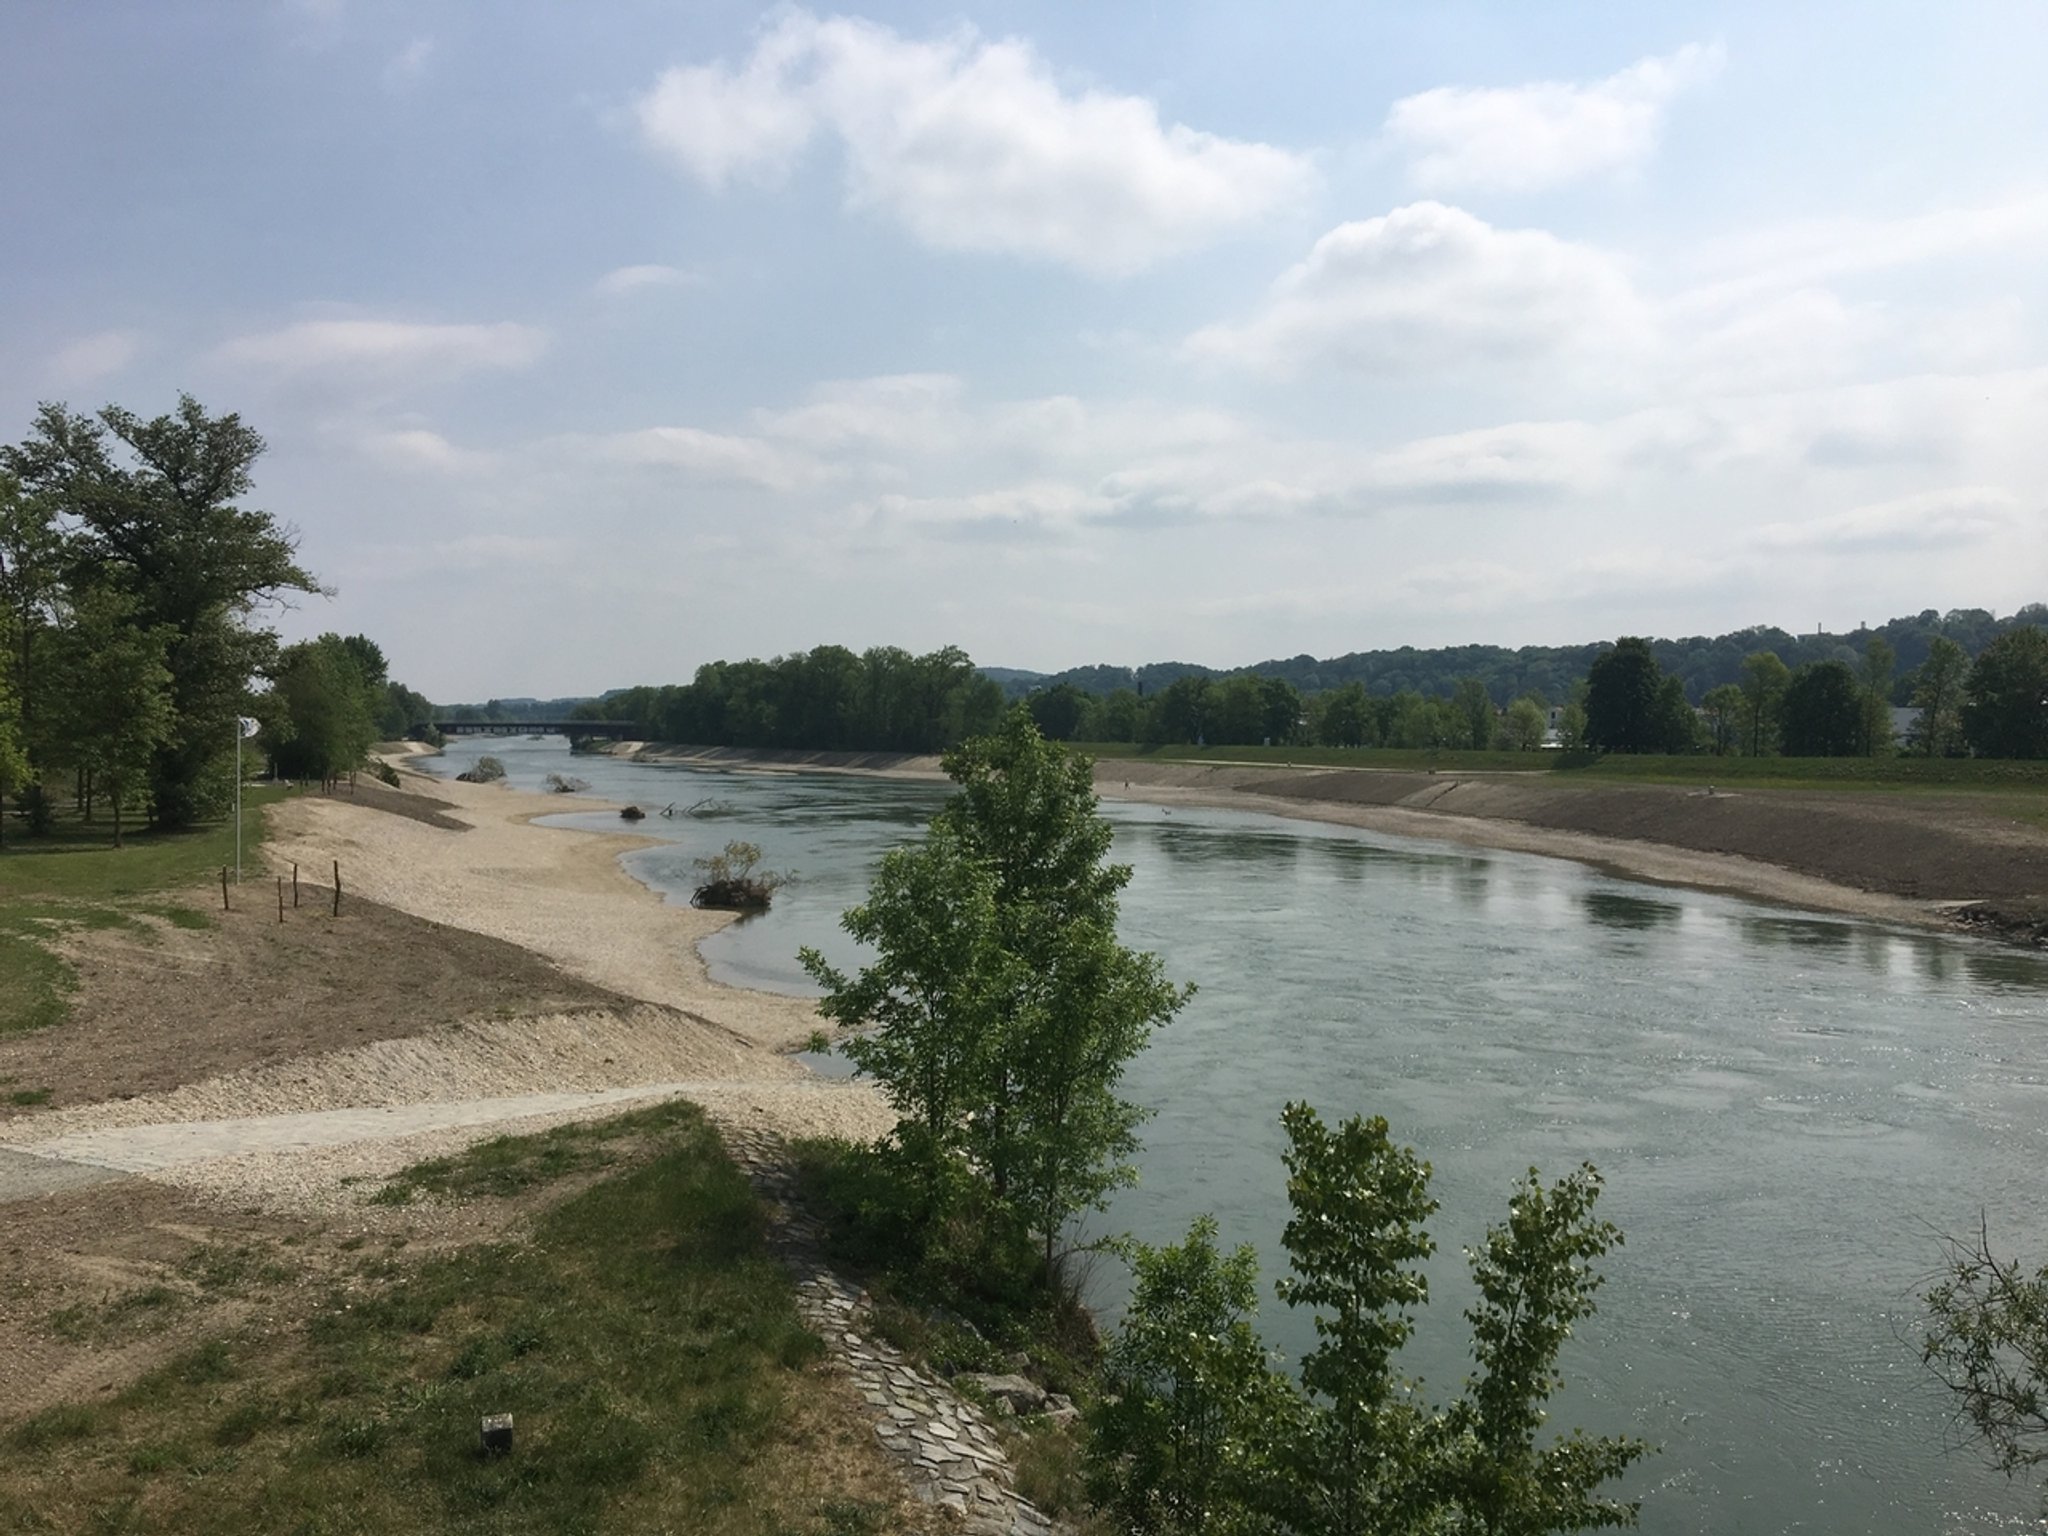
(640, 1333)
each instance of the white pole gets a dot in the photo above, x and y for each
(238, 797)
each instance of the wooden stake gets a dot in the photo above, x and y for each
(337, 887)
(224, 888)
(280, 898)
(295, 882)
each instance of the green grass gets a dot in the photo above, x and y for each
(642, 1336)
(506, 1165)
(75, 878)
(1396, 759)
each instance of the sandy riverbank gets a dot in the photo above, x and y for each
(1887, 857)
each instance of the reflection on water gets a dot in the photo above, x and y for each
(1616, 909)
(1785, 1107)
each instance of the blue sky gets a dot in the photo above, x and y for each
(595, 342)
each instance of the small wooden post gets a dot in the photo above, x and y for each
(337, 887)
(295, 882)
(224, 888)
(280, 898)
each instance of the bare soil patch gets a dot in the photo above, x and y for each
(164, 1005)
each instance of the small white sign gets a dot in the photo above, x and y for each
(250, 727)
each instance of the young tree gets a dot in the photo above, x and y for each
(1764, 681)
(1676, 727)
(1938, 695)
(926, 1011)
(2006, 713)
(1355, 1245)
(1191, 1401)
(999, 977)
(1535, 1281)
(13, 760)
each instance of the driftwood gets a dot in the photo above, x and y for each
(632, 813)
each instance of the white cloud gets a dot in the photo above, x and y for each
(1931, 520)
(624, 280)
(973, 145)
(1429, 287)
(419, 448)
(385, 349)
(408, 64)
(92, 358)
(713, 456)
(1528, 137)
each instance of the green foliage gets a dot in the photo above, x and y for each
(1355, 1244)
(827, 699)
(1764, 681)
(1000, 1011)
(1622, 702)
(1986, 1341)
(1190, 1400)
(1938, 695)
(2006, 714)
(1723, 708)
(322, 714)
(1525, 726)
(1198, 1433)
(1823, 712)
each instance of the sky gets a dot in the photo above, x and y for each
(595, 342)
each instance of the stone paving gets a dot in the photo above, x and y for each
(945, 1445)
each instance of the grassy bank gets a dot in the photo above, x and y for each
(641, 1335)
(74, 877)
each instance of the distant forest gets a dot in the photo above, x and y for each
(1478, 696)
(1549, 672)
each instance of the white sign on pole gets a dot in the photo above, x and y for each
(250, 727)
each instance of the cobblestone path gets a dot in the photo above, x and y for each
(944, 1444)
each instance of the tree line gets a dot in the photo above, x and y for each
(1700, 662)
(824, 700)
(132, 643)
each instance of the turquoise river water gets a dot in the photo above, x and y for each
(1788, 1108)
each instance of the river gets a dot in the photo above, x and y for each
(1787, 1108)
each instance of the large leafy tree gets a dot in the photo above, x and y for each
(327, 693)
(153, 507)
(116, 710)
(2006, 713)
(1622, 699)
(1764, 680)
(1823, 712)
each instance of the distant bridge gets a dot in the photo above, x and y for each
(616, 730)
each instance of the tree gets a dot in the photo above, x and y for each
(998, 971)
(1823, 712)
(2006, 711)
(13, 760)
(1675, 727)
(160, 525)
(1526, 725)
(1535, 1281)
(31, 560)
(1355, 1449)
(116, 710)
(1764, 681)
(1190, 1398)
(1723, 707)
(1986, 1340)
(325, 719)
(1880, 662)
(1621, 698)
(1355, 1245)
(1474, 709)
(1343, 717)
(1938, 695)
(1058, 710)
